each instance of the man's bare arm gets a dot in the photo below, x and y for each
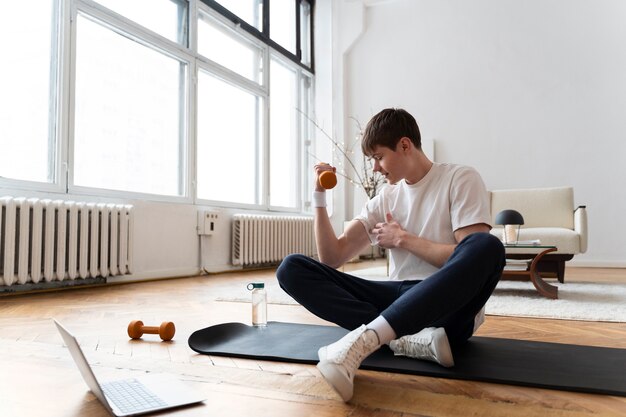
(336, 251)
(332, 250)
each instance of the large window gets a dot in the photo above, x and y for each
(177, 100)
(283, 128)
(229, 129)
(127, 130)
(28, 43)
(283, 24)
(226, 47)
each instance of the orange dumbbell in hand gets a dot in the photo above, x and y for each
(328, 179)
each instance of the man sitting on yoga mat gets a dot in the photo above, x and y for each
(434, 220)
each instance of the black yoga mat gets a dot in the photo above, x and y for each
(506, 361)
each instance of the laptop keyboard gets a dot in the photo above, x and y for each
(130, 395)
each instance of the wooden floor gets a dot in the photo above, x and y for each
(38, 378)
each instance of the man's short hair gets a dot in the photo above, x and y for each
(387, 128)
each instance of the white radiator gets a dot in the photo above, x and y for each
(48, 240)
(263, 240)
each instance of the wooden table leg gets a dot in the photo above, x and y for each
(545, 289)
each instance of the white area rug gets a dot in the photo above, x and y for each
(577, 301)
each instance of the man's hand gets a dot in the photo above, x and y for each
(391, 235)
(319, 169)
(388, 234)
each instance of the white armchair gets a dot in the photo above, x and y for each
(550, 216)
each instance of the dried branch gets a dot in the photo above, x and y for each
(367, 179)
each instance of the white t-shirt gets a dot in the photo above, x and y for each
(448, 198)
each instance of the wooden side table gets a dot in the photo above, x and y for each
(534, 253)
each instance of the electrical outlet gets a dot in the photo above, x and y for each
(208, 222)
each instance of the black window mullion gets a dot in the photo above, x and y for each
(266, 18)
(298, 33)
(311, 37)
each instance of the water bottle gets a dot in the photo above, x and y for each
(259, 303)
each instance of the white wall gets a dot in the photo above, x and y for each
(531, 93)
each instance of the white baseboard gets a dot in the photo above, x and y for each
(152, 275)
(596, 264)
(216, 269)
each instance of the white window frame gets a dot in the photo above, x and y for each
(63, 112)
(127, 28)
(58, 81)
(263, 91)
(304, 176)
(239, 81)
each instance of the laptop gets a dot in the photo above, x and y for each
(133, 396)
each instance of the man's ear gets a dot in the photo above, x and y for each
(405, 143)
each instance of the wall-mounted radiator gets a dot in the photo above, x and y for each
(265, 240)
(46, 240)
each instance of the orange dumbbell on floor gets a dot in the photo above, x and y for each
(166, 330)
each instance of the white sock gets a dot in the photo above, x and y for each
(383, 330)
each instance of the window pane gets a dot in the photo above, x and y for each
(305, 32)
(284, 160)
(26, 100)
(307, 129)
(228, 140)
(228, 49)
(128, 114)
(249, 10)
(166, 17)
(283, 23)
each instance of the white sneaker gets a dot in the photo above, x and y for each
(340, 360)
(430, 344)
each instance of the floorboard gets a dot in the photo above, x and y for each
(39, 379)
